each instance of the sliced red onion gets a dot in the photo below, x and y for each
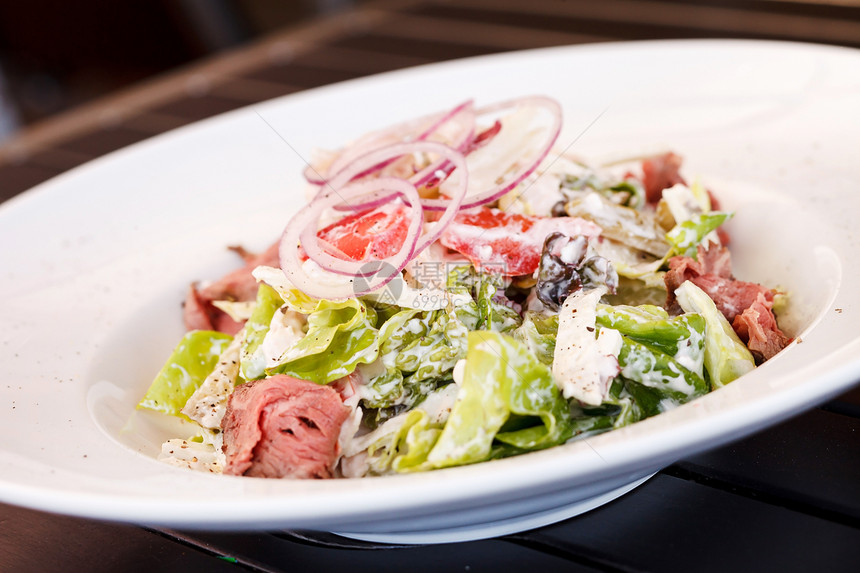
(434, 175)
(400, 133)
(382, 190)
(511, 181)
(361, 160)
(445, 153)
(313, 176)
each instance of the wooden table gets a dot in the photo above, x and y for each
(785, 499)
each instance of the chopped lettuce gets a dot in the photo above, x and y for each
(487, 309)
(628, 192)
(538, 332)
(341, 335)
(501, 381)
(659, 372)
(726, 357)
(294, 298)
(191, 362)
(680, 337)
(418, 350)
(686, 236)
(415, 441)
(251, 358)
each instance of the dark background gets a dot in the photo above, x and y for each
(57, 54)
(84, 78)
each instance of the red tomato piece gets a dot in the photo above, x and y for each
(369, 235)
(508, 243)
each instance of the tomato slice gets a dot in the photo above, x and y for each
(374, 234)
(508, 243)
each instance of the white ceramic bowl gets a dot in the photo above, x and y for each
(95, 264)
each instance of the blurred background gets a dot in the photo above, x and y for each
(80, 79)
(56, 54)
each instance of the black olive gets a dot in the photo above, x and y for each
(559, 278)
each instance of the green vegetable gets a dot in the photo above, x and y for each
(628, 192)
(192, 360)
(659, 371)
(486, 312)
(681, 337)
(341, 335)
(251, 362)
(501, 378)
(620, 408)
(686, 236)
(420, 348)
(726, 357)
(659, 353)
(538, 332)
(415, 441)
(638, 290)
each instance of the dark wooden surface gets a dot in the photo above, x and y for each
(786, 499)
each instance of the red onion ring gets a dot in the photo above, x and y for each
(402, 131)
(340, 189)
(512, 181)
(349, 173)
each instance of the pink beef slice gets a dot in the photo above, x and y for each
(660, 172)
(282, 427)
(198, 311)
(747, 306)
(757, 327)
(711, 271)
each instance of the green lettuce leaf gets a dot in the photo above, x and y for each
(415, 441)
(252, 363)
(192, 360)
(538, 332)
(681, 337)
(659, 372)
(687, 235)
(726, 357)
(485, 313)
(419, 350)
(501, 379)
(341, 335)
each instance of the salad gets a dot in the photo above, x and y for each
(457, 289)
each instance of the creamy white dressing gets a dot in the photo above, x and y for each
(208, 403)
(584, 361)
(285, 330)
(275, 278)
(690, 353)
(459, 372)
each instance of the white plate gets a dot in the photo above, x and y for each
(95, 263)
